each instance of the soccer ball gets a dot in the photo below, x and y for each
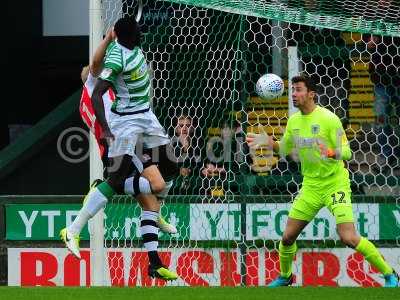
(270, 86)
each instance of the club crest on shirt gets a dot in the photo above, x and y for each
(315, 129)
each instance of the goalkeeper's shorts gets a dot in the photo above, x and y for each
(333, 192)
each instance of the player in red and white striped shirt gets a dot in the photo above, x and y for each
(87, 112)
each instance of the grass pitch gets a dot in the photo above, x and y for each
(192, 293)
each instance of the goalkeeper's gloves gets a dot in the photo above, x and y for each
(259, 140)
(326, 152)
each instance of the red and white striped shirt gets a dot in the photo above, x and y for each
(87, 112)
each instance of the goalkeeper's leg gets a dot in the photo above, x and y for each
(350, 237)
(303, 210)
(287, 251)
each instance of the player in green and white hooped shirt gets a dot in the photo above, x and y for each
(316, 137)
(70, 234)
(126, 72)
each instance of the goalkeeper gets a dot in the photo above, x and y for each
(316, 137)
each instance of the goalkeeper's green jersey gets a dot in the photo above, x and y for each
(303, 135)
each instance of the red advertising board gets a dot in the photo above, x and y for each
(214, 267)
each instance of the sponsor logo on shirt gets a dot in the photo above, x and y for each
(305, 142)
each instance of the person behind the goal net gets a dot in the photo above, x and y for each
(316, 137)
(125, 71)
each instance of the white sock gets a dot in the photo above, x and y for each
(80, 221)
(95, 202)
(142, 186)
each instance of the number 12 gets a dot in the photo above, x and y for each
(335, 200)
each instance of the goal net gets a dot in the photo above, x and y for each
(230, 205)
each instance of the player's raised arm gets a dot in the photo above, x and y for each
(338, 138)
(262, 139)
(108, 76)
(96, 65)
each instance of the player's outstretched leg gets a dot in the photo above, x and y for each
(372, 255)
(94, 184)
(167, 171)
(349, 236)
(96, 199)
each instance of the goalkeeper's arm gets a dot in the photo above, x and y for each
(341, 149)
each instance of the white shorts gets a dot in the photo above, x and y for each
(128, 130)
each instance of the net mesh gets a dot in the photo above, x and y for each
(378, 17)
(230, 205)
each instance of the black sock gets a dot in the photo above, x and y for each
(154, 259)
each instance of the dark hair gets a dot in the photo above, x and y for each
(308, 82)
(186, 117)
(128, 31)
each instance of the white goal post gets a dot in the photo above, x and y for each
(96, 224)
